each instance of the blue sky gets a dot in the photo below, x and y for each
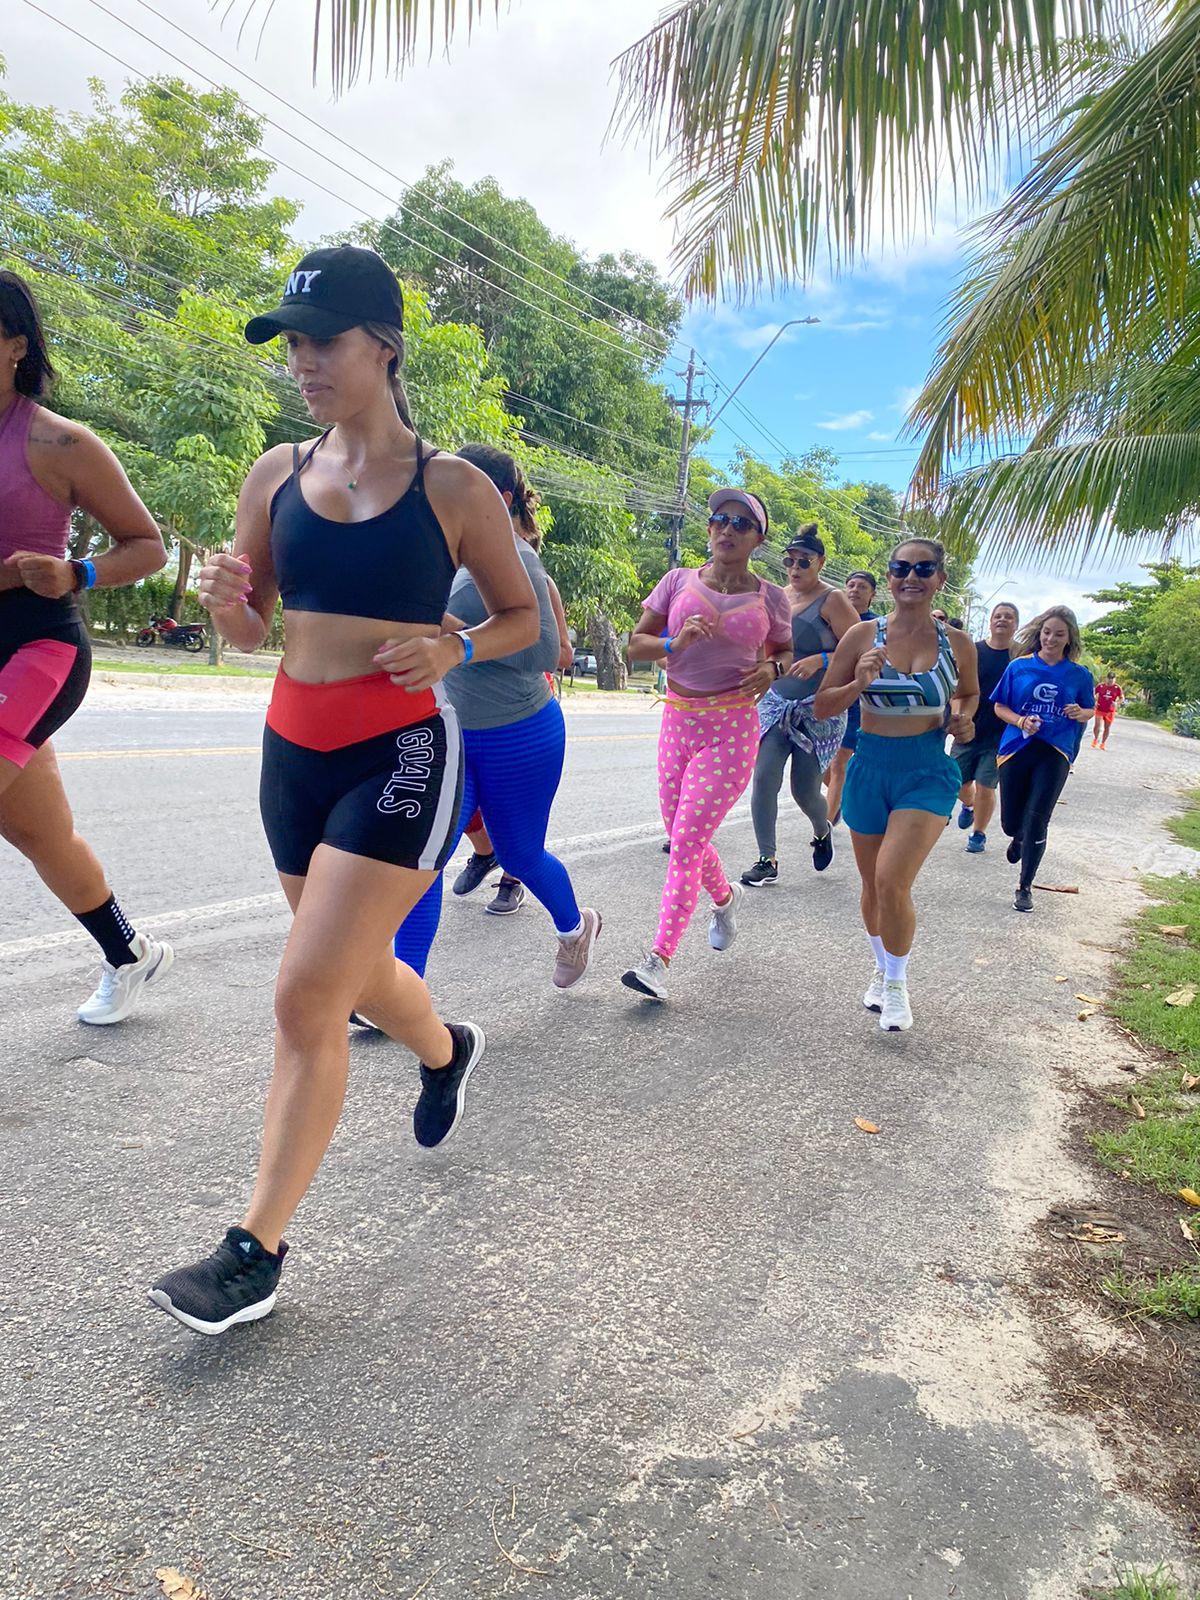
(528, 99)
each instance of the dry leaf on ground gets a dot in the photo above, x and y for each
(1174, 930)
(1138, 1109)
(178, 1586)
(864, 1126)
(1090, 999)
(1061, 978)
(1189, 1081)
(1190, 1195)
(1186, 1231)
(1088, 1011)
(1181, 997)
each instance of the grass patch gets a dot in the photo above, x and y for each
(1167, 1295)
(1186, 827)
(181, 669)
(1163, 1147)
(1157, 1585)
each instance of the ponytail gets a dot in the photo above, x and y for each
(504, 472)
(393, 337)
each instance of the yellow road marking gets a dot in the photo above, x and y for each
(255, 749)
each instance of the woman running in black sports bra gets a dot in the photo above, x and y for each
(360, 534)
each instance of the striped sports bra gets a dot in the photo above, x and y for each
(913, 694)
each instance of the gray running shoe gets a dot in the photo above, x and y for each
(648, 978)
(722, 926)
(510, 897)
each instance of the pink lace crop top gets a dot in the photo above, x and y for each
(30, 519)
(744, 624)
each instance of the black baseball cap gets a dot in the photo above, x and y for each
(807, 540)
(332, 290)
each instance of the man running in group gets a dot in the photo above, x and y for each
(977, 760)
(1108, 694)
(860, 591)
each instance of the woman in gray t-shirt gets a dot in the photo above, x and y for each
(514, 738)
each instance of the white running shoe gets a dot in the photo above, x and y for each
(722, 927)
(896, 1014)
(120, 988)
(873, 999)
(648, 978)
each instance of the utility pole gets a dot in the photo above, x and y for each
(687, 405)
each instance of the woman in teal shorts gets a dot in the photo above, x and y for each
(918, 680)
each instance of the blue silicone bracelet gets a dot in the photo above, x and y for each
(668, 643)
(89, 568)
(468, 646)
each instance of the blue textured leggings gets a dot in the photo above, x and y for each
(512, 774)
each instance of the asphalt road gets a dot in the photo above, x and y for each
(660, 1321)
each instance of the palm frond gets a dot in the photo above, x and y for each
(1079, 501)
(1098, 235)
(358, 32)
(864, 99)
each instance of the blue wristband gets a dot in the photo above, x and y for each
(825, 660)
(668, 643)
(468, 645)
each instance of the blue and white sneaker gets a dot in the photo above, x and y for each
(976, 843)
(443, 1098)
(237, 1283)
(966, 816)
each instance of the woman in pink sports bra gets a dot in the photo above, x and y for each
(48, 466)
(724, 637)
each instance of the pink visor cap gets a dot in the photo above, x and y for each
(752, 503)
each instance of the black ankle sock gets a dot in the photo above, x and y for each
(112, 931)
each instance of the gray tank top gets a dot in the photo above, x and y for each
(810, 634)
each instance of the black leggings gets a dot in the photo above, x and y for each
(1030, 784)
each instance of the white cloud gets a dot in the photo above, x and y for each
(848, 422)
(906, 398)
(882, 438)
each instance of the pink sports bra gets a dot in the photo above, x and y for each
(744, 624)
(30, 519)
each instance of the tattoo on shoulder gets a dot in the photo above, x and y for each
(61, 440)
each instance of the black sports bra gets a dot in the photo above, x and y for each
(395, 565)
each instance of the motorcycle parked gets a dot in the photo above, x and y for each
(190, 636)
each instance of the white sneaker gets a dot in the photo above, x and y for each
(648, 977)
(120, 987)
(896, 1014)
(873, 999)
(722, 927)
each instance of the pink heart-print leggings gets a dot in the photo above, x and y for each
(706, 755)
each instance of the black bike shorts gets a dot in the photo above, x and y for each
(394, 797)
(45, 668)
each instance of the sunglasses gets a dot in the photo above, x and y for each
(923, 569)
(797, 561)
(722, 519)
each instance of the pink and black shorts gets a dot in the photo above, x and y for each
(45, 665)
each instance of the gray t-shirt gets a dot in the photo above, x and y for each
(491, 694)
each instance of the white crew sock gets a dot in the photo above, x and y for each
(895, 968)
(574, 933)
(877, 946)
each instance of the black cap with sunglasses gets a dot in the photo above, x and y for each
(807, 539)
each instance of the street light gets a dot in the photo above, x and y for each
(796, 322)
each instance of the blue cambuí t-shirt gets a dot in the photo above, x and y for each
(1032, 686)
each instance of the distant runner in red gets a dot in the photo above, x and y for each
(1108, 694)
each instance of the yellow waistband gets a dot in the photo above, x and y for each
(709, 705)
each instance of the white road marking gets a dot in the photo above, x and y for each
(570, 847)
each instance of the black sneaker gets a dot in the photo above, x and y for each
(510, 897)
(822, 850)
(1023, 900)
(762, 872)
(365, 1023)
(666, 847)
(1013, 853)
(475, 871)
(443, 1093)
(237, 1283)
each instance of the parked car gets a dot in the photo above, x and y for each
(584, 666)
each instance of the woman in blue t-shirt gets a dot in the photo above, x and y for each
(1046, 698)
